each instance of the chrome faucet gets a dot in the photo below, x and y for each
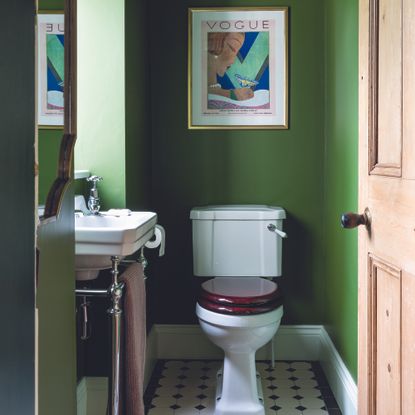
(93, 200)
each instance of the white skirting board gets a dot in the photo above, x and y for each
(92, 396)
(340, 380)
(189, 342)
(81, 398)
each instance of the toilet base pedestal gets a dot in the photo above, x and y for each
(239, 389)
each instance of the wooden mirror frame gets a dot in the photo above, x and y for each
(67, 146)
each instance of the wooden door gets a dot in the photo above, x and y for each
(386, 374)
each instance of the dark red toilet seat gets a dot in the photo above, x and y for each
(240, 296)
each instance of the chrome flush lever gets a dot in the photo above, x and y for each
(272, 228)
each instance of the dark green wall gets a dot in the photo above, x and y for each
(137, 113)
(284, 168)
(340, 276)
(17, 345)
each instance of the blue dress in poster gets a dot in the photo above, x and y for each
(55, 71)
(238, 70)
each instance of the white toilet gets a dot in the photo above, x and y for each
(239, 310)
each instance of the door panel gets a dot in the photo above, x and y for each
(391, 203)
(409, 89)
(385, 281)
(389, 85)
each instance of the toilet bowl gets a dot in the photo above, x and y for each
(238, 309)
(239, 333)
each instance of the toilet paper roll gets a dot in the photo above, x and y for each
(160, 240)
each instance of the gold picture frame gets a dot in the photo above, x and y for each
(238, 68)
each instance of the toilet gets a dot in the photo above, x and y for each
(239, 309)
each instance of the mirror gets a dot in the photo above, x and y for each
(58, 155)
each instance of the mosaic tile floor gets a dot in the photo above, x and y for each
(187, 387)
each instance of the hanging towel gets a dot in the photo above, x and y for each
(134, 340)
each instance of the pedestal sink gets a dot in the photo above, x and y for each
(98, 237)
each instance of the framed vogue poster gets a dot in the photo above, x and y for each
(50, 69)
(238, 68)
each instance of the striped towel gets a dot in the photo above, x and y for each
(134, 340)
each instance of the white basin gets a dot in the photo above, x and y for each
(98, 237)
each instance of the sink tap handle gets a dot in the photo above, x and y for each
(94, 179)
(93, 200)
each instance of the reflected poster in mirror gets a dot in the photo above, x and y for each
(50, 56)
(238, 69)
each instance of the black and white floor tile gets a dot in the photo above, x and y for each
(187, 387)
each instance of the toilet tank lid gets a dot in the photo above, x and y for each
(237, 212)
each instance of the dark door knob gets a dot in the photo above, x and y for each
(351, 220)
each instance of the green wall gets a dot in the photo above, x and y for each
(310, 170)
(100, 146)
(285, 168)
(341, 189)
(51, 5)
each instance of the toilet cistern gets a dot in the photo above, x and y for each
(93, 200)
